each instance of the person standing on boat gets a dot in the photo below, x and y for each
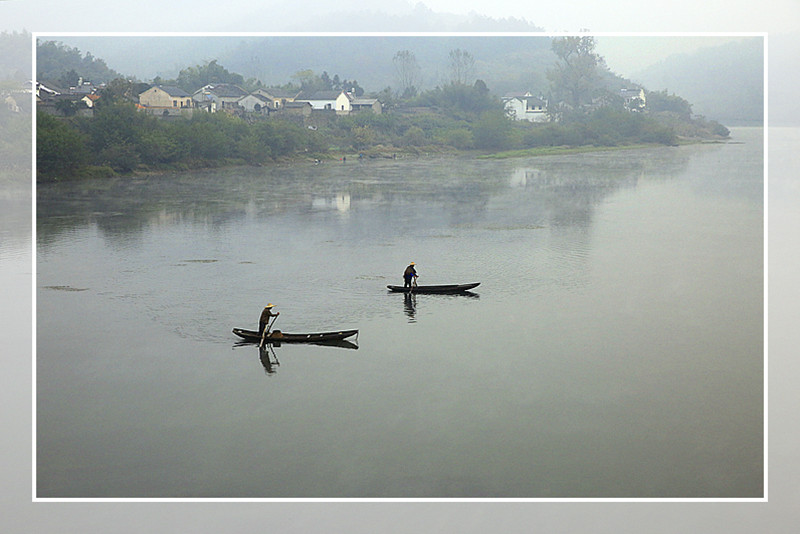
(263, 321)
(409, 274)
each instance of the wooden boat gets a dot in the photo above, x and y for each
(276, 336)
(446, 288)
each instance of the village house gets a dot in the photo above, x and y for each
(65, 105)
(348, 102)
(634, 99)
(277, 97)
(525, 107)
(342, 102)
(321, 100)
(47, 89)
(17, 99)
(84, 87)
(255, 103)
(90, 100)
(165, 100)
(300, 108)
(11, 103)
(221, 96)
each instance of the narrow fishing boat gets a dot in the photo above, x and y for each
(276, 336)
(445, 288)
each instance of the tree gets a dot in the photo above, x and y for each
(492, 130)
(326, 81)
(408, 73)
(70, 78)
(352, 86)
(575, 75)
(191, 78)
(60, 149)
(309, 81)
(68, 108)
(462, 66)
(658, 101)
(55, 59)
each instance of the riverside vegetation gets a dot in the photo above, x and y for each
(455, 117)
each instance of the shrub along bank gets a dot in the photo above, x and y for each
(120, 140)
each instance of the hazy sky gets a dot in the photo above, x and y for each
(603, 16)
(679, 16)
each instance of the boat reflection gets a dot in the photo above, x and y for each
(269, 357)
(410, 301)
(410, 306)
(340, 343)
(267, 354)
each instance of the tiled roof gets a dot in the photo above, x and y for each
(321, 95)
(171, 90)
(228, 90)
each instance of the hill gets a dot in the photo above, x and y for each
(724, 83)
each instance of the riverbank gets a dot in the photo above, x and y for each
(561, 150)
(372, 154)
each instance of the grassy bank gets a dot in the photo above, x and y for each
(561, 150)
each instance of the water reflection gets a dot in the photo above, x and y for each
(410, 301)
(339, 202)
(560, 190)
(266, 354)
(410, 306)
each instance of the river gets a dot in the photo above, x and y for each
(614, 347)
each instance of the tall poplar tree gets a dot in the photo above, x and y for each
(408, 73)
(575, 76)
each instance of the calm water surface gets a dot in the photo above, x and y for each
(615, 346)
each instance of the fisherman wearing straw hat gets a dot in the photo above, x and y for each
(409, 274)
(263, 321)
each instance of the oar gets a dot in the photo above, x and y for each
(266, 330)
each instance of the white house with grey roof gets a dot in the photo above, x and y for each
(342, 102)
(525, 107)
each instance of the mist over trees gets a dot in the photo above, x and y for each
(724, 82)
(408, 73)
(15, 126)
(15, 56)
(462, 66)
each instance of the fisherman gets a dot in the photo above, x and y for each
(263, 321)
(409, 274)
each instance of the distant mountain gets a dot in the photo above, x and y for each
(724, 83)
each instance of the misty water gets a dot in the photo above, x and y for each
(614, 348)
